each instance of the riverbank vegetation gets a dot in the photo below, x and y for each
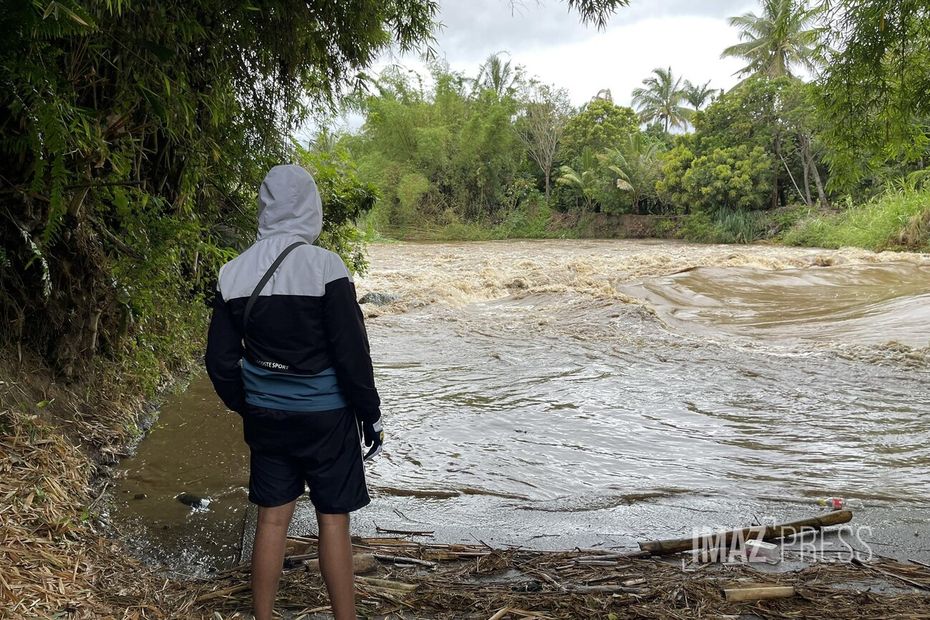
(827, 124)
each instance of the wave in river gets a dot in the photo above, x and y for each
(856, 304)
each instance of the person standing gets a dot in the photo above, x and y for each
(288, 351)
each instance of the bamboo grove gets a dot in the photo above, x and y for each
(133, 135)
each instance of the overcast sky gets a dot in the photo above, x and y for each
(552, 44)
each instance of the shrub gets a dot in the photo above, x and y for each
(670, 185)
(740, 226)
(346, 198)
(700, 227)
(410, 190)
(729, 178)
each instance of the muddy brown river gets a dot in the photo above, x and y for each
(595, 393)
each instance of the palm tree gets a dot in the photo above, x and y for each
(699, 95)
(782, 37)
(498, 75)
(635, 164)
(661, 99)
(583, 180)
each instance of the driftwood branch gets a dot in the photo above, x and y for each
(765, 532)
(910, 582)
(385, 530)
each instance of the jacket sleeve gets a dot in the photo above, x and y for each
(349, 349)
(224, 350)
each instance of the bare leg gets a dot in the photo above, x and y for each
(268, 557)
(336, 563)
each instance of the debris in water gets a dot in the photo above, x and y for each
(194, 501)
(839, 503)
(378, 299)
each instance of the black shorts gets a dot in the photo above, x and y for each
(317, 448)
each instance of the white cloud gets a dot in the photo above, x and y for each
(620, 58)
(475, 28)
(687, 35)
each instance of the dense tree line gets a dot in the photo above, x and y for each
(448, 148)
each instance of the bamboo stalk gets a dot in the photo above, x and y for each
(758, 592)
(399, 559)
(361, 563)
(387, 584)
(547, 578)
(221, 593)
(500, 613)
(606, 589)
(528, 614)
(603, 556)
(766, 532)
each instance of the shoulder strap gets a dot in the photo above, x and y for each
(261, 283)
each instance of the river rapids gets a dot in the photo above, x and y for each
(562, 393)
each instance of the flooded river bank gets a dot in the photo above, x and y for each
(561, 393)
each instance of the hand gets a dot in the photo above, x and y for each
(373, 434)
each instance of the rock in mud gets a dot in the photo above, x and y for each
(378, 299)
(194, 501)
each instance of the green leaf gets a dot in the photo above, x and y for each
(54, 7)
(161, 52)
(156, 102)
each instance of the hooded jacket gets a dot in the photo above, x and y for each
(305, 325)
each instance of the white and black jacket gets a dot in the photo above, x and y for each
(306, 318)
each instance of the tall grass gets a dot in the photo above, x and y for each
(741, 226)
(898, 219)
(725, 226)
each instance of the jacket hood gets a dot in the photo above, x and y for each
(289, 204)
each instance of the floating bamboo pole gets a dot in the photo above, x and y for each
(762, 532)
